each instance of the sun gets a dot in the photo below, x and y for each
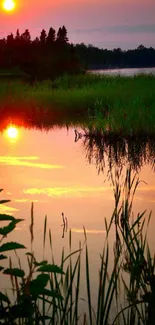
(12, 132)
(9, 5)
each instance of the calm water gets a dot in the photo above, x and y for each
(53, 171)
(126, 72)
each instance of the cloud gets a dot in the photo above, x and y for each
(75, 191)
(26, 162)
(25, 200)
(88, 231)
(123, 29)
(132, 29)
(5, 209)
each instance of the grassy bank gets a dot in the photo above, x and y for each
(119, 104)
(51, 294)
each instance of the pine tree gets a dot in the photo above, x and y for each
(62, 35)
(43, 37)
(51, 36)
(26, 37)
(17, 37)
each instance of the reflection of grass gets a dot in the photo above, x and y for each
(125, 103)
(54, 293)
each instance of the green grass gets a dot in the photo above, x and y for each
(119, 104)
(51, 294)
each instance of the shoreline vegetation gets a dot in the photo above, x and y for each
(119, 105)
(51, 54)
(51, 294)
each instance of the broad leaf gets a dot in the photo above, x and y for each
(4, 298)
(2, 257)
(52, 294)
(1, 268)
(4, 201)
(42, 279)
(6, 230)
(6, 217)
(10, 246)
(42, 318)
(37, 286)
(50, 268)
(16, 272)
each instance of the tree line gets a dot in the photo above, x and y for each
(47, 56)
(96, 58)
(51, 54)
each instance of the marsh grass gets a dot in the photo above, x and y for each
(119, 104)
(51, 294)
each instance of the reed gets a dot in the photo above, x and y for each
(53, 296)
(117, 103)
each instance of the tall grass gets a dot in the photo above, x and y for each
(51, 294)
(125, 102)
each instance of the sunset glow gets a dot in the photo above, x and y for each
(9, 5)
(12, 132)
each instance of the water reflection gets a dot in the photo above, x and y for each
(101, 147)
(11, 132)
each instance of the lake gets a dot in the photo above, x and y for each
(126, 72)
(59, 175)
(70, 171)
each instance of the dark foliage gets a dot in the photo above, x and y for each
(47, 56)
(95, 58)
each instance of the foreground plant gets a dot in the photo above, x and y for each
(28, 289)
(50, 294)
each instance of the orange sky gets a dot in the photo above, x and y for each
(105, 23)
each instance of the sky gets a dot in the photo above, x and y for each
(102, 23)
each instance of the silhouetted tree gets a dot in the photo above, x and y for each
(17, 36)
(10, 40)
(26, 37)
(62, 35)
(51, 36)
(43, 37)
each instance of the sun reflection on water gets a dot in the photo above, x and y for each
(12, 132)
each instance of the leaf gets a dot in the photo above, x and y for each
(37, 286)
(16, 272)
(10, 246)
(1, 268)
(42, 279)
(4, 201)
(42, 318)
(6, 230)
(50, 268)
(40, 263)
(4, 298)
(6, 217)
(52, 294)
(2, 257)
(35, 290)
